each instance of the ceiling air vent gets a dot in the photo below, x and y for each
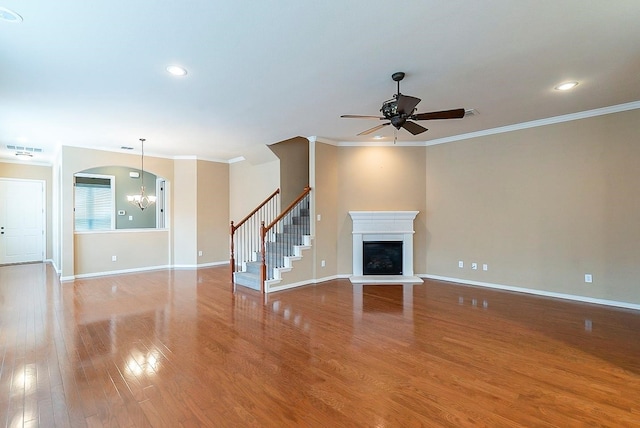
(24, 149)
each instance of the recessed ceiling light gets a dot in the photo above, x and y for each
(176, 70)
(378, 137)
(9, 15)
(566, 86)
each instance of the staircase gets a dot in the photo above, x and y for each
(284, 239)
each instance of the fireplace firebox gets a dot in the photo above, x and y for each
(382, 258)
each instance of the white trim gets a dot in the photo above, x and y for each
(199, 265)
(150, 154)
(273, 289)
(370, 226)
(212, 264)
(536, 123)
(114, 231)
(43, 187)
(573, 297)
(112, 188)
(54, 266)
(378, 143)
(142, 269)
(118, 272)
(502, 129)
(385, 279)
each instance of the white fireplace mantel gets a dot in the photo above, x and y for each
(383, 226)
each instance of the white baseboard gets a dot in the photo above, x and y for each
(273, 289)
(53, 264)
(573, 297)
(119, 272)
(198, 266)
(212, 264)
(140, 269)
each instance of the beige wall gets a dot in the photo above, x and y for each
(185, 209)
(133, 249)
(197, 216)
(35, 172)
(294, 167)
(213, 212)
(324, 194)
(249, 185)
(380, 179)
(75, 159)
(542, 207)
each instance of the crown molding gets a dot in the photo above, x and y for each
(537, 123)
(499, 130)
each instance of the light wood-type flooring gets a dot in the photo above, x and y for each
(180, 348)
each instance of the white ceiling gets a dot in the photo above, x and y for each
(92, 74)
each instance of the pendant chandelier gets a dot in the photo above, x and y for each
(141, 200)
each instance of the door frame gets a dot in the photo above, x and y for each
(43, 183)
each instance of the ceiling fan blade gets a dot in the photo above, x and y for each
(414, 128)
(445, 114)
(359, 116)
(406, 104)
(374, 129)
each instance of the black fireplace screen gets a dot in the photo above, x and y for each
(382, 258)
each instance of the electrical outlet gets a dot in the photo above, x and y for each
(323, 263)
(460, 264)
(588, 277)
(199, 253)
(485, 267)
(319, 217)
(114, 258)
(474, 266)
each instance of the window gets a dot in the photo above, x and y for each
(94, 202)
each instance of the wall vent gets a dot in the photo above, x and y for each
(24, 149)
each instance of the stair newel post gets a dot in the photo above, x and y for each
(232, 262)
(263, 267)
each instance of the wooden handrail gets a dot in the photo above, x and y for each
(263, 232)
(234, 227)
(304, 193)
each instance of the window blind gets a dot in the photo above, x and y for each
(93, 204)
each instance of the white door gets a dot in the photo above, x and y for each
(21, 221)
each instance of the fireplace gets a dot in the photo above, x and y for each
(384, 228)
(382, 258)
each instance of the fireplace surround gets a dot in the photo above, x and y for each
(380, 226)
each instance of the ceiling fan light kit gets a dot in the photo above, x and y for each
(400, 111)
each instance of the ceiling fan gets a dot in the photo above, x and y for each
(400, 111)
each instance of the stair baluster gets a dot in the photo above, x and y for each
(271, 238)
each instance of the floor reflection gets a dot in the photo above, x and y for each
(382, 299)
(180, 348)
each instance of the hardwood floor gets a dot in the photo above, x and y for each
(180, 349)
